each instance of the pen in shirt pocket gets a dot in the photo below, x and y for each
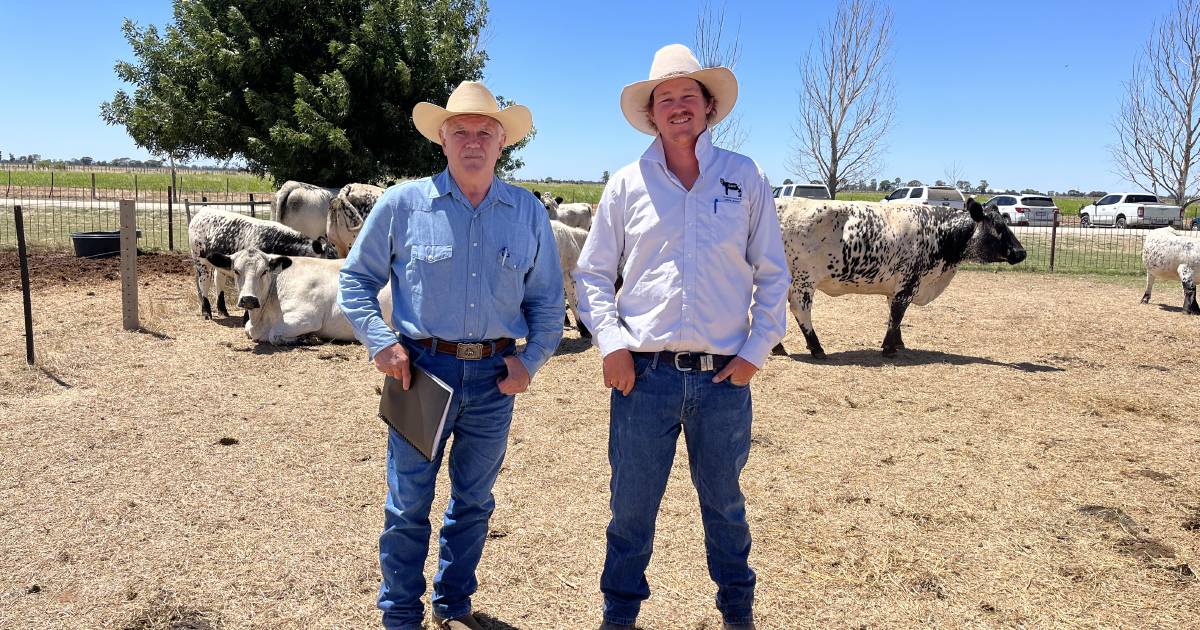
(503, 255)
(714, 205)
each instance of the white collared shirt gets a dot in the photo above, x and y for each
(703, 270)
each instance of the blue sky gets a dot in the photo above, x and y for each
(1020, 93)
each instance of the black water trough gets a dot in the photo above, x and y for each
(97, 244)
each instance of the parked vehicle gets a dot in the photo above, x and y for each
(808, 191)
(1196, 223)
(1032, 210)
(1129, 210)
(928, 195)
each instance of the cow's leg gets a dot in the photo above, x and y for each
(203, 284)
(1149, 285)
(800, 299)
(573, 305)
(892, 340)
(221, 302)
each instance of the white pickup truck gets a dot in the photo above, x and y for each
(1128, 209)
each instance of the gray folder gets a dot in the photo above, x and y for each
(419, 414)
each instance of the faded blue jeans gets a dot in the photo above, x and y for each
(643, 429)
(479, 419)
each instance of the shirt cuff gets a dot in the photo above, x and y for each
(755, 350)
(379, 337)
(609, 340)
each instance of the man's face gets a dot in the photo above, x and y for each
(679, 109)
(472, 143)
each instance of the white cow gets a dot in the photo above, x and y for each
(218, 232)
(302, 207)
(1170, 255)
(569, 241)
(288, 298)
(907, 253)
(347, 212)
(577, 215)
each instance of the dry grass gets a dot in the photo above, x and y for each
(1030, 461)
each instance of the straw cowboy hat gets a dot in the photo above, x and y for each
(672, 62)
(472, 97)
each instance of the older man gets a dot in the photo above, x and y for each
(473, 266)
(692, 231)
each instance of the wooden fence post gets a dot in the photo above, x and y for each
(93, 185)
(51, 184)
(129, 285)
(252, 205)
(25, 301)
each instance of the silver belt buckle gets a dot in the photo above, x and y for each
(680, 367)
(469, 351)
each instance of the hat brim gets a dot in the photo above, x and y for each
(720, 83)
(515, 119)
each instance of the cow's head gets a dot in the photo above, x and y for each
(254, 273)
(992, 240)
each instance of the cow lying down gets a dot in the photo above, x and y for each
(288, 298)
(907, 253)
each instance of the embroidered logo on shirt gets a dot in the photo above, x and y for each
(731, 186)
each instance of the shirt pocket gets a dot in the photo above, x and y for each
(729, 226)
(513, 258)
(430, 267)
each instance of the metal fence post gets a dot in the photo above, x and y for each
(19, 220)
(93, 185)
(51, 184)
(1053, 239)
(170, 216)
(252, 205)
(135, 187)
(9, 183)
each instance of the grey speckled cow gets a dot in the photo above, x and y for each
(219, 232)
(908, 253)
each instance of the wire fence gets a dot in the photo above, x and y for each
(51, 217)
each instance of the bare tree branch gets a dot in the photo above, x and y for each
(1158, 127)
(714, 49)
(847, 100)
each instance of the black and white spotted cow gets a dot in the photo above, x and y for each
(908, 253)
(218, 232)
(1170, 255)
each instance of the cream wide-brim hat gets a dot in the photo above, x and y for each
(672, 62)
(472, 97)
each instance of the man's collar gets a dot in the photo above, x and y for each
(704, 150)
(444, 184)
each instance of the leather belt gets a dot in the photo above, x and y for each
(689, 361)
(466, 351)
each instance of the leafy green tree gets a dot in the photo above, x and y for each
(316, 91)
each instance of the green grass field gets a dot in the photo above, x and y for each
(188, 182)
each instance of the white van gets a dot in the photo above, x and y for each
(808, 191)
(948, 196)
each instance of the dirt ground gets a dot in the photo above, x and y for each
(1030, 461)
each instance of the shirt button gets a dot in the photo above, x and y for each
(472, 306)
(475, 244)
(472, 274)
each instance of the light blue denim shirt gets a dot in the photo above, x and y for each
(458, 273)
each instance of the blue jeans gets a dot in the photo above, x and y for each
(478, 419)
(643, 429)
